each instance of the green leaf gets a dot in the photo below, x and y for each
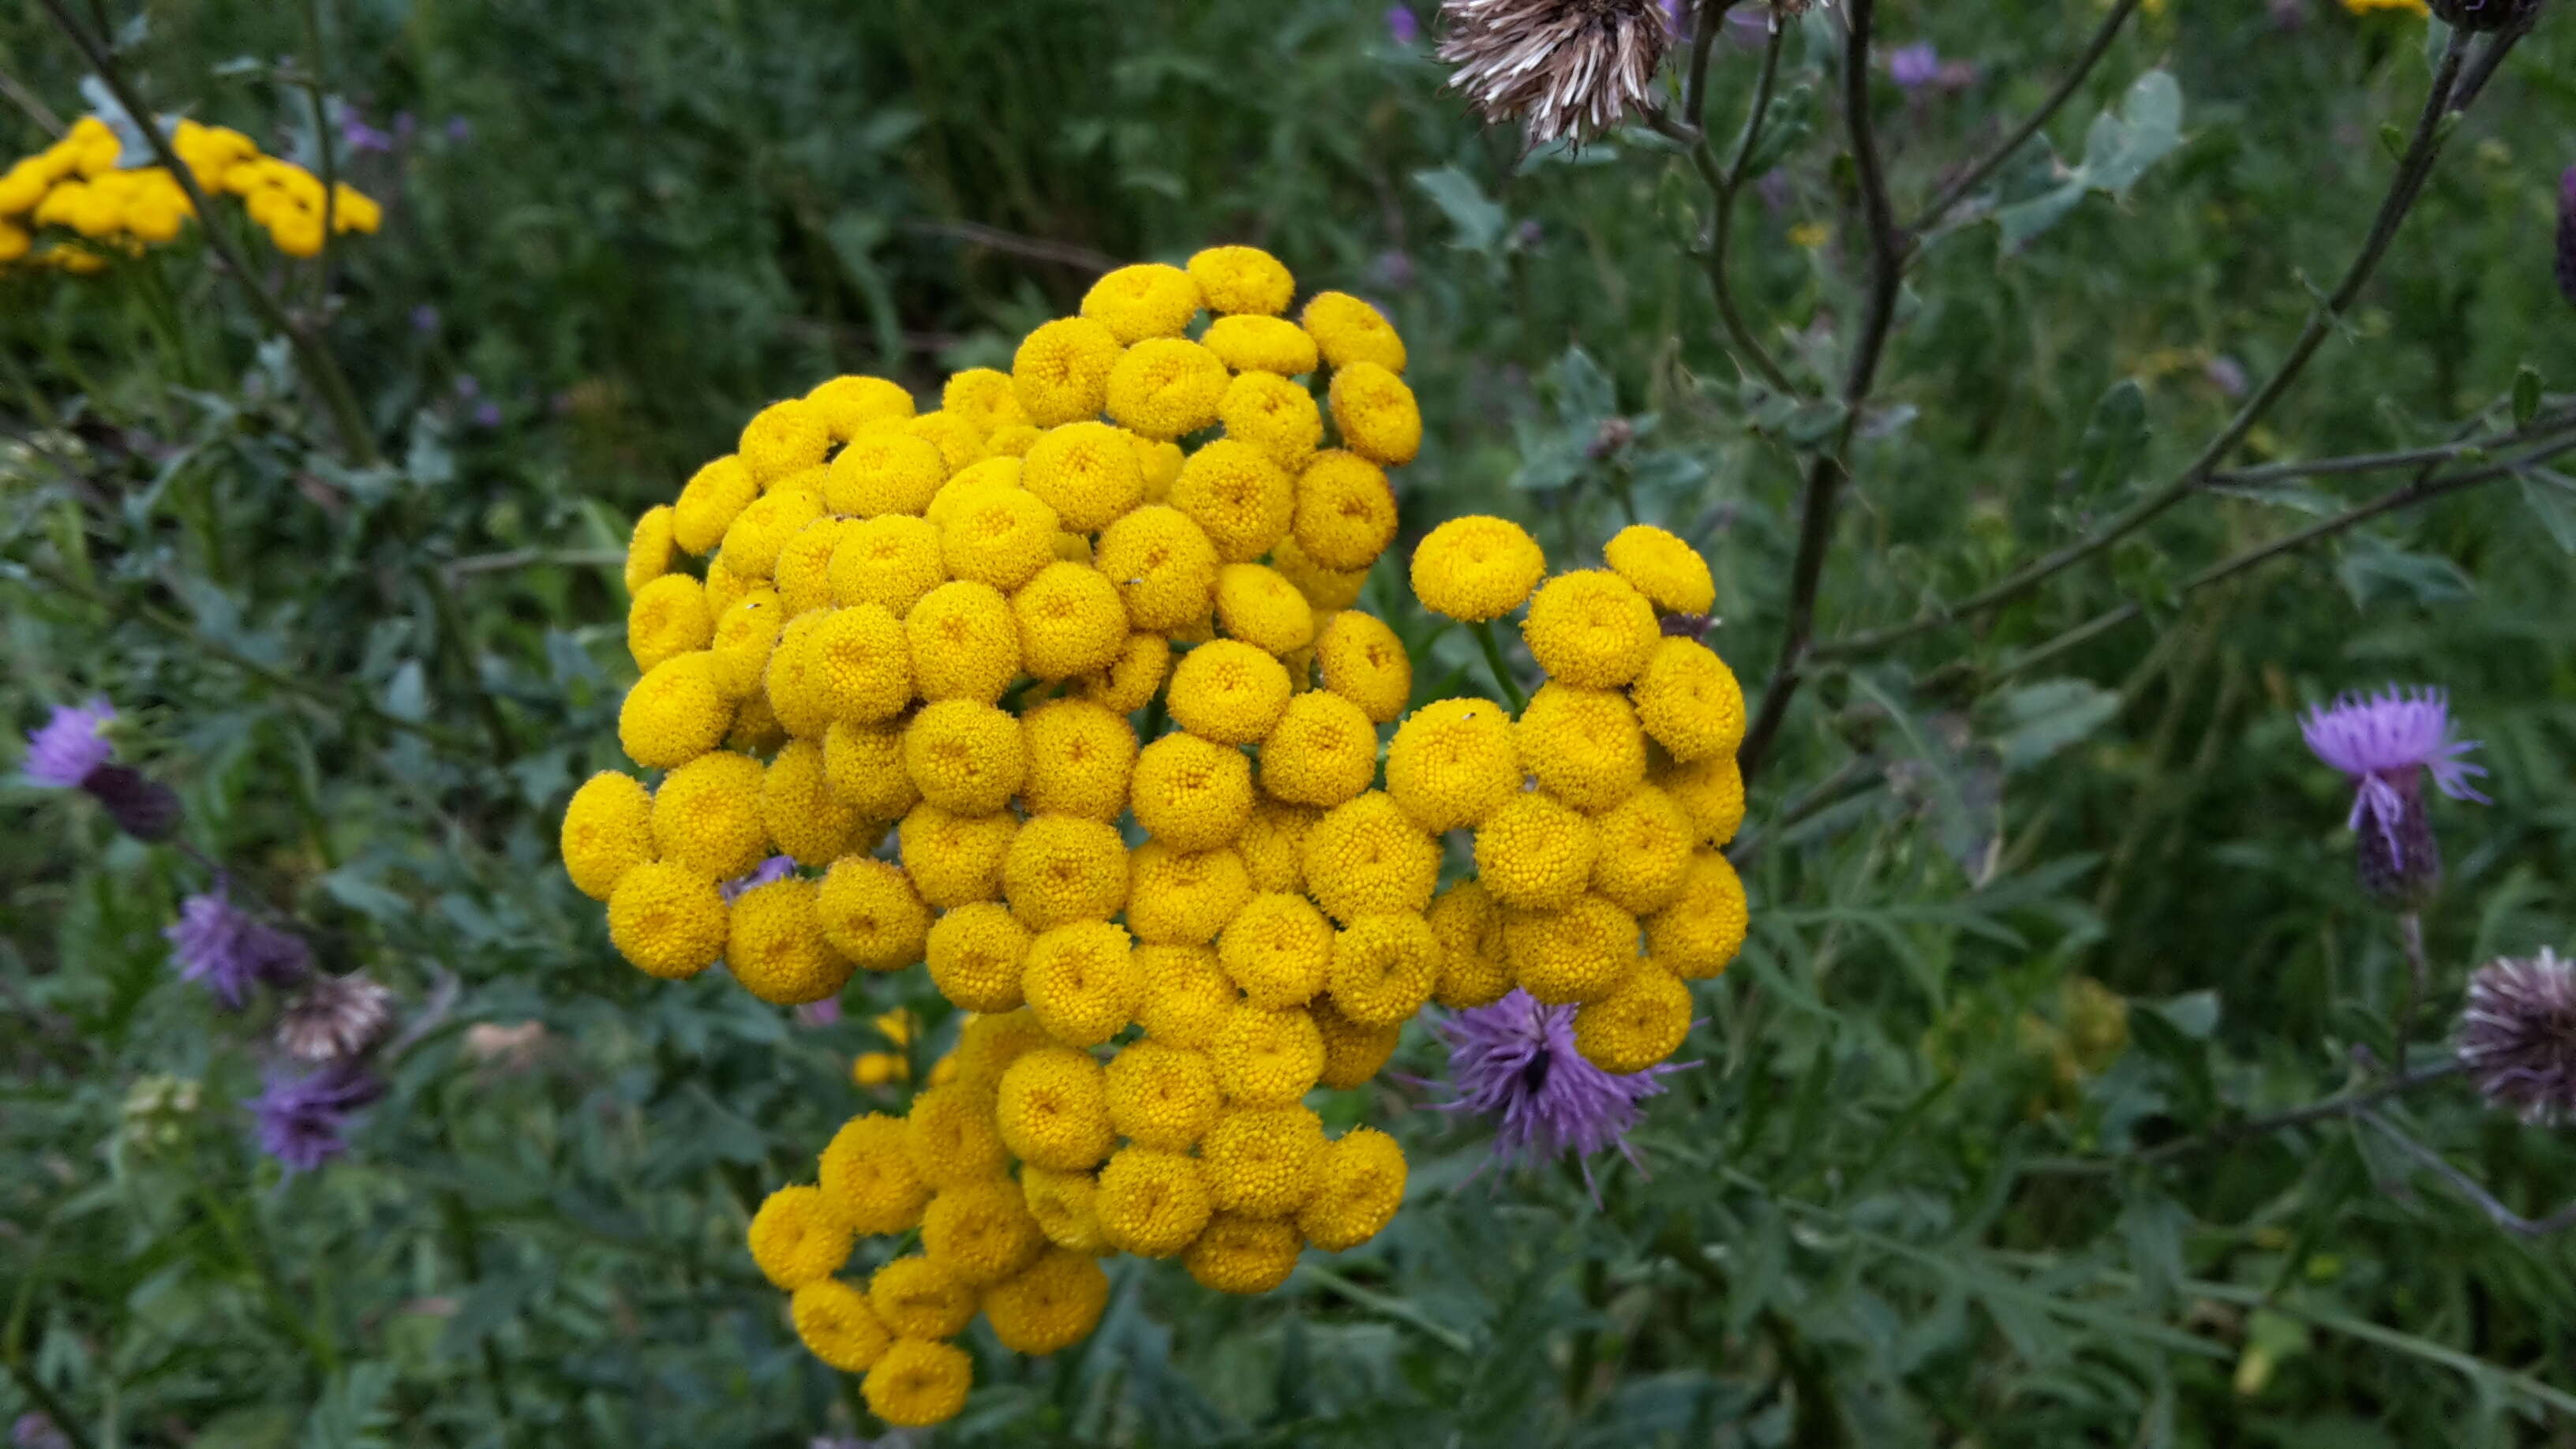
(2043, 718)
(2371, 571)
(2114, 440)
(2526, 395)
(2552, 500)
(2146, 129)
(1476, 219)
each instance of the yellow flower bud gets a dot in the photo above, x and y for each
(706, 815)
(1670, 573)
(919, 1383)
(1476, 568)
(1375, 413)
(1242, 280)
(1349, 331)
(607, 831)
(1368, 858)
(976, 955)
(796, 1238)
(776, 946)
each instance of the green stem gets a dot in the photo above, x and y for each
(1483, 629)
(1993, 161)
(330, 160)
(326, 1354)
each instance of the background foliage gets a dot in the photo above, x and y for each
(2013, 930)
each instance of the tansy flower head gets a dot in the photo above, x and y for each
(1191, 793)
(1052, 1304)
(1453, 763)
(952, 1137)
(1258, 605)
(893, 562)
(1367, 858)
(1082, 982)
(1271, 842)
(976, 955)
(675, 713)
(1477, 568)
(999, 536)
(919, 1382)
(1149, 300)
(1670, 573)
(954, 859)
(1362, 1186)
(1363, 661)
(959, 440)
(752, 541)
(1591, 629)
(1322, 752)
(1065, 1205)
(1262, 344)
(667, 919)
(1345, 511)
(1239, 1253)
(1242, 281)
(863, 764)
(1584, 745)
(1087, 472)
(1080, 755)
(1468, 922)
(1273, 414)
(649, 547)
(1162, 565)
(1578, 952)
(1688, 700)
(607, 831)
(1641, 1022)
(1187, 996)
(868, 1179)
(1375, 413)
(1053, 1110)
(1166, 386)
(745, 636)
(883, 472)
(776, 948)
(963, 642)
(1070, 620)
(1711, 794)
(1353, 1053)
(836, 1325)
(1349, 331)
(1151, 1203)
(1535, 853)
(1277, 949)
(797, 1239)
(965, 757)
(848, 404)
(1383, 969)
(984, 399)
(1229, 692)
(1263, 1161)
(871, 915)
(706, 815)
(1646, 845)
(1061, 370)
(1238, 497)
(1697, 935)
(1184, 897)
(1164, 1096)
(800, 811)
(1267, 1057)
(1065, 868)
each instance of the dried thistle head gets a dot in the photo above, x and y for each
(1563, 68)
(337, 1018)
(2518, 1035)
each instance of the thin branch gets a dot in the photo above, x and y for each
(1706, 21)
(2412, 171)
(2350, 464)
(1826, 475)
(2349, 1104)
(318, 365)
(322, 128)
(28, 101)
(519, 558)
(2469, 1187)
(1037, 249)
(1986, 166)
(1722, 189)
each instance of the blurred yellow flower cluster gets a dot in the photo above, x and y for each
(77, 186)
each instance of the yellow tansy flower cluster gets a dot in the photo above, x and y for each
(79, 188)
(914, 662)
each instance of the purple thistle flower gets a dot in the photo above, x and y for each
(301, 1119)
(2386, 743)
(1401, 26)
(2567, 234)
(770, 871)
(2518, 1035)
(71, 745)
(1515, 1062)
(1914, 66)
(219, 945)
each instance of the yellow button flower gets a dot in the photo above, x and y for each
(1229, 692)
(1535, 853)
(1645, 847)
(783, 438)
(987, 1045)
(952, 1137)
(1065, 868)
(1367, 858)
(1262, 344)
(959, 441)
(1151, 1203)
(1476, 568)
(674, 714)
(1469, 924)
(1689, 701)
(1453, 763)
(1324, 588)
(868, 1177)
(1263, 1162)
(919, 1383)
(1166, 386)
(872, 915)
(1349, 331)
(1267, 1057)
(837, 1326)
(1184, 897)
(706, 815)
(1190, 793)
(1383, 969)
(1132, 678)
(800, 811)
(1273, 414)
(1711, 793)
(893, 562)
(1364, 662)
(776, 946)
(1669, 572)
(1278, 949)
(1352, 1053)
(965, 757)
(848, 404)
(1575, 954)
(745, 636)
(884, 472)
(1583, 745)
(1244, 1255)
(1160, 460)
(1147, 300)
(1271, 842)
(1080, 755)
(1323, 751)
(797, 1239)
(1375, 413)
(964, 642)
(864, 766)
(1061, 370)
(1052, 1304)
(1162, 1096)
(1240, 499)
(1187, 996)
(1066, 1207)
(954, 859)
(715, 496)
(649, 547)
(607, 831)
(752, 543)
(1082, 982)
(976, 954)
(858, 667)
(1053, 1110)
(1070, 621)
(1345, 511)
(1163, 566)
(1363, 1185)
(667, 919)
(984, 398)
(1699, 933)
(1258, 605)
(1242, 280)
(999, 536)
(725, 588)
(1641, 1022)
(1088, 472)
(918, 1298)
(1013, 440)
(1590, 629)
(804, 573)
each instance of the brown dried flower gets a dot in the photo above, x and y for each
(335, 1019)
(1564, 68)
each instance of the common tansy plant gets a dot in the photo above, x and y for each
(97, 208)
(1057, 691)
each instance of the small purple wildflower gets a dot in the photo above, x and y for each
(358, 136)
(459, 130)
(1395, 269)
(1528, 234)
(1775, 190)
(35, 1431)
(1515, 1063)
(2567, 235)
(424, 319)
(819, 1013)
(2386, 743)
(301, 1119)
(1401, 26)
(467, 387)
(2227, 375)
(68, 747)
(487, 414)
(770, 871)
(218, 944)
(1914, 66)
(2518, 1035)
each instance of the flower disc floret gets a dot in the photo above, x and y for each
(1362, 1186)
(1262, 344)
(1066, 1205)
(1184, 897)
(1583, 745)
(1244, 1255)
(797, 1239)
(981, 1231)
(1273, 414)
(1364, 662)
(1242, 281)
(963, 642)
(1087, 472)
(776, 946)
(607, 831)
(1263, 1161)
(1349, 331)
(1469, 924)
(1322, 752)
(1080, 756)
(1162, 565)
(1590, 629)
(1267, 1057)
(675, 713)
(871, 914)
(783, 438)
(1146, 300)
(951, 1135)
(1476, 568)
(868, 1177)
(1052, 1304)
(1345, 511)
(1278, 949)
(1063, 869)
(1453, 763)
(918, 1383)
(1535, 853)
(668, 617)
(954, 859)
(669, 920)
(1240, 499)
(1352, 1053)
(1641, 1022)
(1166, 386)
(1061, 370)
(918, 1298)
(1699, 933)
(864, 766)
(1070, 620)
(1369, 858)
(999, 536)
(1190, 793)
(976, 954)
(893, 562)
(1229, 692)
(1258, 605)
(836, 1325)
(1576, 954)
(848, 404)
(1669, 572)
(1151, 1203)
(1187, 996)
(1082, 982)
(1375, 413)
(1053, 1110)
(1689, 701)
(1164, 1096)
(713, 498)
(798, 808)
(964, 756)
(1383, 969)
(706, 815)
